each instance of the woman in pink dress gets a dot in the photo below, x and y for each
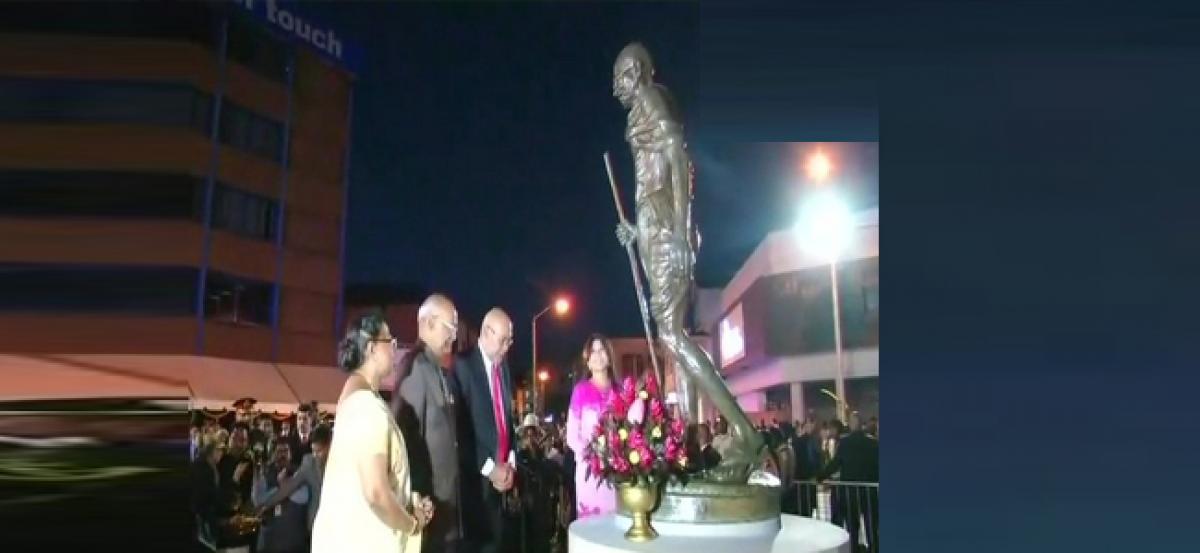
(592, 495)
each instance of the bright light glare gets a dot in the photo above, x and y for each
(818, 167)
(562, 306)
(543, 376)
(825, 226)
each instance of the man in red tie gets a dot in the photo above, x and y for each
(487, 392)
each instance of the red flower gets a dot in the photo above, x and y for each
(628, 390)
(647, 456)
(651, 383)
(614, 442)
(657, 409)
(672, 452)
(595, 465)
(617, 406)
(637, 440)
(677, 427)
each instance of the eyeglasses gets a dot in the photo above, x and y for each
(452, 327)
(391, 341)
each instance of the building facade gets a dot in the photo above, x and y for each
(172, 181)
(774, 331)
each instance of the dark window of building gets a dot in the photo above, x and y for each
(243, 213)
(191, 21)
(779, 398)
(871, 300)
(201, 115)
(100, 289)
(798, 324)
(98, 194)
(237, 300)
(245, 130)
(252, 46)
(72, 101)
(629, 365)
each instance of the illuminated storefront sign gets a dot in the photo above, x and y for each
(732, 335)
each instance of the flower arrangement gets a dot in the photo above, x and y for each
(636, 441)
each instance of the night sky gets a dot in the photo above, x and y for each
(477, 170)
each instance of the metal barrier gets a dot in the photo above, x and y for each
(852, 505)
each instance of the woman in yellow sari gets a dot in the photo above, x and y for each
(367, 502)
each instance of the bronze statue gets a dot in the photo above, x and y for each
(666, 242)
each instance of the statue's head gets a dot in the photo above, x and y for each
(632, 68)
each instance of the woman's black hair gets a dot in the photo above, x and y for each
(352, 352)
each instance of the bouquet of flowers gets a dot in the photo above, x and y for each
(636, 441)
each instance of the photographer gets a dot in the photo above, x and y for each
(285, 523)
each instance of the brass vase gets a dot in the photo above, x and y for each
(639, 499)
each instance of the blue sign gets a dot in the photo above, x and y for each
(282, 18)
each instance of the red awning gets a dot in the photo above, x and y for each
(44, 377)
(208, 382)
(322, 384)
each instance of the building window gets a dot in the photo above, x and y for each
(245, 130)
(191, 21)
(73, 101)
(234, 300)
(871, 300)
(255, 48)
(143, 103)
(98, 194)
(243, 213)
(97, 289)
(629, 365)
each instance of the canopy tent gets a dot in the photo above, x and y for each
(315, 383)
(47, 377)
(209, 382)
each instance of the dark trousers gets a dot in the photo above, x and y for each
(805, 499)
(500, 532)
(852, 507)
(430, 546)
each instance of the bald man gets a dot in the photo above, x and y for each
(489, 470)
(425, 407)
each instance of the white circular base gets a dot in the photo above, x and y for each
(756, 530)
(792, 534)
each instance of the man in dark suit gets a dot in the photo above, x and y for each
(807, 448)
(425, 408)
(490, 468)
(300, 438)
(857, 458)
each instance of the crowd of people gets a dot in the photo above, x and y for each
(445, 463)
(249, 463)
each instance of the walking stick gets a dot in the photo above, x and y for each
(637, 277)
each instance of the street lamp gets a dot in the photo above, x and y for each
(543, 377)
(561, 307)
(825, 228)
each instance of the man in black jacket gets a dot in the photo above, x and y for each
(857, 458)
(806, 446)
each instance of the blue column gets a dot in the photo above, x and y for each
(211, 181)
(285, 172)
(337, 315)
